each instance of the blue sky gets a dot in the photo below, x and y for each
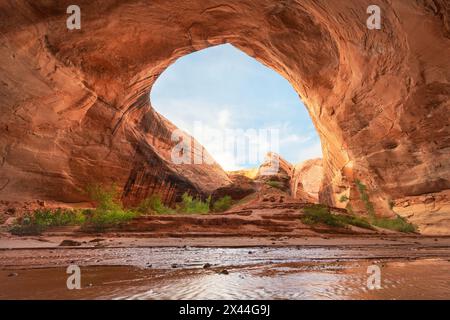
(222, 88)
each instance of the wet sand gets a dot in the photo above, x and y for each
(420, 279)
(413, 267)
(263, 254)
(53, 240)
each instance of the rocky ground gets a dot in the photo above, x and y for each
(259, 248)
(269, 217)
(264, 206)
(266, 213)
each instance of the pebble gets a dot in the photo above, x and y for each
(69, 243)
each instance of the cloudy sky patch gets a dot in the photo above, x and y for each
(221, 88)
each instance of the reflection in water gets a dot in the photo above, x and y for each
(412, 280)
(255, 273)
(245, 286)
(195, 257)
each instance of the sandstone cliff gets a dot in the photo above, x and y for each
(307, 179)
(75, 107)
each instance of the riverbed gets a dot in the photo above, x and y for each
(294, 272)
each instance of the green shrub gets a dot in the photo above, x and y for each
(105, 198)
(26, 226)
(349, 208)
(223, 204)
(361, 186)
(397, 224)
(355, 221)
(109, 211)
(191, 205)
(343, 198)
(316, 214)
(100, 219)
(58, 217)
(41, 219)
(154, 205)
(275, 184)
(365, 197)
(319, 214)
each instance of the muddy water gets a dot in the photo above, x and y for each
(253, 273)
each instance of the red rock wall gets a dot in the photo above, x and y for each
(306, 180)
(73, 102)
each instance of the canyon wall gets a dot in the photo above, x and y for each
(75, 103)
(306, 180)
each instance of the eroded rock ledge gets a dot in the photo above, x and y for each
(75, 104)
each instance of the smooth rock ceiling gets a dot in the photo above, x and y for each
(75, 106)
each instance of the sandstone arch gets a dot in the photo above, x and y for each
(76, 101)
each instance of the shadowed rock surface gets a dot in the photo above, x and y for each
(240, 188)
(75, 106)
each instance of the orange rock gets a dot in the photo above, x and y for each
(75, 104)
(307, 179)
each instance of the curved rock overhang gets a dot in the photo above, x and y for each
(75, 104)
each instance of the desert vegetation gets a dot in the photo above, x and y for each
(397, 224)
(223, 204)
(275, 184)
(41, 219)
(319, 214)
(154, 205)
(109, 212)
(362, 189)
(188, 205)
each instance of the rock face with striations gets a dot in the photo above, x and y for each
(75, 108)
(307, 179)
(277, 170)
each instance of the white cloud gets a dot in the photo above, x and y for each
(220, 90)
(184, 113)
(224, 118)
(227, 161)
(216, 119)
(310, 152)
(294, 138)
